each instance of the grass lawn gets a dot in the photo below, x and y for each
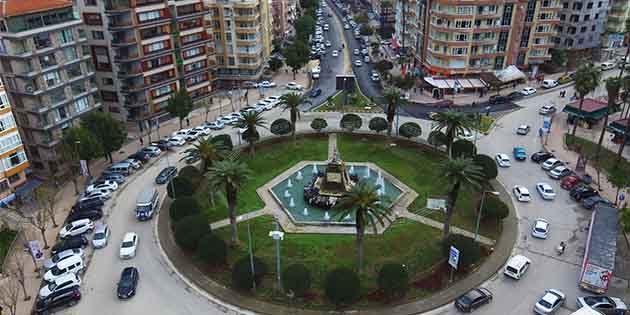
(607, 157)
(408, 242)
(6, 238)
(418, 168)
(270, 160)
(357, 103)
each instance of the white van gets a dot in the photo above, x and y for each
(147, 203)
(607, 65)
(121, 168)
(517, 266)
(72, 264)
(548, 84)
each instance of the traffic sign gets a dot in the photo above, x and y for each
(453, 257)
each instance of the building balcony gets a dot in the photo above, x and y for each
(249, 17)
(135, 100)
(117, 6)
(126, 56)
(124, 40)
(120, 24)
(127, 71)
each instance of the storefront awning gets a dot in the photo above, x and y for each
(509, 74)
(455, 83)
(591, 109)
(619, 126)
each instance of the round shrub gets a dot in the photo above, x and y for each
(437, 138)
(463, 149)
(378, 124)
(192, 173)
(488, 165)
(180, 187)
(319, 124)
(296, 278)
(494, 208)
(190, 229)
(280, 127)
(242, 277)
(225, 140)
(211, 249)
(469, 250)
(351, 122)
(184, 206)
(342, 286)
(410, 130)
(393, 280)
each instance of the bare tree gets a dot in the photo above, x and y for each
(9, 294)
(16, 270)
(40, 220)
(46, 197)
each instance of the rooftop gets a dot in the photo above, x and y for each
(603, 245)
(590, 105)
(10, 8)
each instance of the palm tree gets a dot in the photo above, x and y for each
(206, 150)
(291, 102)
(232, 175)
(393, 100)
(613, 85)
(249, 121)
(368, 207)
(460, 173)
(586, 81)
(455, 123)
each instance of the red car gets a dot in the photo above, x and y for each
(570, 181)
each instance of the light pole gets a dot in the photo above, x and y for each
(277, 235)
(483, 197)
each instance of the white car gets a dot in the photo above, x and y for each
(335, 53)
(607, 65)
(540, 229)
(151, 151)
(356, 52)
(72, 265)
(327, 43)
(560, 172)
(613, 305)
(358, 63)
(202, 130)
(67, 281)
(550, 302)
(549, 83)
(274, 99)
(176, 141)
(50, 262)
(77, 227)
(108, 184)
(546, 191)
(129, 245)
(294, 86)
(550, 164)
(503, 160)
(375, 77)
(346, 27)
(547, 109)
(192, 135)
(104, 194)
(101, 235)
(527, 91)
(180, 133)
(227, 120)
(366, 59)
(522, 194)
(466, 135)
(134, 163)
(267, 84)
(216, 125)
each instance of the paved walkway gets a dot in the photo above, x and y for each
(332, 145)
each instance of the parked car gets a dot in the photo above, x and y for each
(607, 65)
(192, 135)
(519, 153)
(294, 86)
(202, 129)
(549, 83)
(521, 193)
(498, 99)
(590, 202)
(91, 214)
(358, 63)
(75, 228)
(503, 160)
(315, 93)
(547, 109)
(140, 156)
(550, 164)
(162, 144)
(216, 125)
(550, 302)
(129, 246)
(473, 299)
(560, 172)
(107, 184)
(606, 305)
(568, 182)
(267, 84)
(102, 194)
(523, 130)
(152, 151)
(517, 267)
(527, 91)
(67, 281)
(101, 235)
(546, 191)
(166, 175)
(176, 141)
(582, 191)
(73, 242)
(71, 265)
(136, 164)
(564, 79)
(540, 228)
(88, 205)
(541, 156)
(128, 283)
(515, 96)
(54, 259)
(60, 299)
(118, 178)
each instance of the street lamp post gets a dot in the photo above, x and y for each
(277, 236)
(483, 197)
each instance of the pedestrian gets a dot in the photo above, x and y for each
(188, 122)
(514, 85)
(141, 141)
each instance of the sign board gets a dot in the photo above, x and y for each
(453, 257)
(436, 204)
(344, 82)
(547, 124)
(35, 250)
(594, 276)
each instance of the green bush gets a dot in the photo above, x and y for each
(378, 124)
(469, 250)
(463, 149)
(280, 127)
(225, 140)
(494, 208)
(184, 206)
(179, 187)
(319, 124)
(437, 138)
(211, 249)
(190, 229)
(410, 130)
(393, 280)
(192, 173)
(242, 277)
(488, 165)
(250, 136)
(351, 122)
(297, 279)
(342, 286)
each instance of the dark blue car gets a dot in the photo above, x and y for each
(315, 93)
(166, 175)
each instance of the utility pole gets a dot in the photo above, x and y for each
(277, 235)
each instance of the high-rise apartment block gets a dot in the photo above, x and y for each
(581, 25)
(46, 66)
(242, 32)
(615, 27)
(13, 159)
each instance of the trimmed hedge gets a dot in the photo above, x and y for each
(242, 277)
(190, 229)
(494, 208)
(463, 149)
(351, 122)
(378, 124)
(280, 127)
(410, 130)
(393, 280)
(297, 279)
(342, 286)
(319, 124)
(179, 187)
(488, 164)
(211, 249)
(225, 140)
(191, 172)
(183, 207)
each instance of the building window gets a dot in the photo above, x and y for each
(52, 78)
(10, 142)
(563, 17)
(47, 61)
(158, 62)
(98, 35)
(109, 96)
(459, 51)
(4, 100)
(596, 16)
(155, 47)
(74, 70)
(148, 16)
(599, 4)
(565, 5)
(587, 17)
(583, 29)
(70, 53)
(163, 90)
(593, 27)
(90, 2)
(195, 65)
(580, 41)
(577, 6)
(192, 52)
(196, 79)
(66, 36)
(15, 177)
(589, 5)
(42, 41)
(191, 38)
(81, 104)
(92, 19)
(100, 58)
(107, 81)
(7, 122)
(4, 185)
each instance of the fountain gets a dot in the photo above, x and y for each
(326, 216)
(299, 176)
(305, 212)
(292, 203)
(352, 172)
(289, 184)
(287, 194)
(327, 187)
(367, 173)
(347, 217)
(315, 169)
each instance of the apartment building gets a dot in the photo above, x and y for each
(459, 37)
(615, 27)
(242, 31)
(581, 25)
(14, 162)
(145, 50)
(46, 66)
(280, 13)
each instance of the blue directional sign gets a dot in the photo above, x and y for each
(453, 257)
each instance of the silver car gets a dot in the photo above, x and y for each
(101, 235)
(550, 302)
(52, 261)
